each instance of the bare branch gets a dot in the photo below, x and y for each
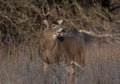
(9, 19)
(98, 35)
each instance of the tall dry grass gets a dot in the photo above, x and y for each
(20, 32)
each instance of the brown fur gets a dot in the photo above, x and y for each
(70, 49)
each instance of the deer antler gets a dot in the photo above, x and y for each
(48, 12)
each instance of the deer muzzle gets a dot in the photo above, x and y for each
(60, 34)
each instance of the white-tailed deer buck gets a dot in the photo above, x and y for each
(62, 44)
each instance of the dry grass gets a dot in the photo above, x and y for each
(21, 24)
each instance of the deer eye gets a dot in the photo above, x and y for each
(54, 26)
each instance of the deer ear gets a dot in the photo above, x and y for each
(60, 22)
(46, 23)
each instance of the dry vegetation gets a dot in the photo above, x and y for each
(21, 19)
(21, 25)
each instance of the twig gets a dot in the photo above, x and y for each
(9, 19)
(97, 35)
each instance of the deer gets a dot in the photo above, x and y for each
(61, 43)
